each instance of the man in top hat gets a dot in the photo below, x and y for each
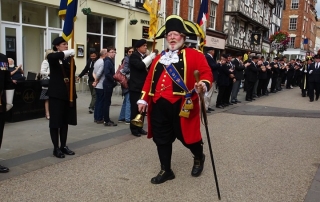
(170, 92)
(139, 64)
(314, 79)
(5, 84)
(214, 69)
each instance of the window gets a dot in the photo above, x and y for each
(255, 5)
(293, 24)
(212, 16)
(101, 32)
(291, 43)
(246, 2)
(10, 10)
(176, 7)
(190, 10)
(294, 4)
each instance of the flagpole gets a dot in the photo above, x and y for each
(71, 71)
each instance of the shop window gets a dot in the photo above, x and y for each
(54, 20)
(109, 26)
(10, 10)
(33, 14)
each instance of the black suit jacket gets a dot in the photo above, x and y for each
(138, 72)
(57, 87)
(275, 70)
(88, 69)
(108, 71)
(224, 75)
(5, 84)
(315, 75)
(213, 65)
(252, 72)
(238, 69)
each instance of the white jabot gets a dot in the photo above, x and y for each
(169, 57)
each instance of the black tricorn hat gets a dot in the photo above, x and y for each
(57, 41)
(174, 23)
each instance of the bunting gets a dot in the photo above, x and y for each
(68, 13)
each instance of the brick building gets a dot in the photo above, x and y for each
(299, 20)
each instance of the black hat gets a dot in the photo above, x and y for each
(262, 57)
(209, 48)
(276, 58)
(56, 42)
(140, 43)
(255, 57)
(175, 23)
(316, 56)
(224, 55)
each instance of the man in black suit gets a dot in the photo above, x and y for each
(314, 78)
(214, 68)
(275, 74)
(223, 81)
(238, 73)
(251, 77)
(5, 84)
(139, 64)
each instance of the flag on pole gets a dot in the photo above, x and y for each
(202, 21)
(152, 6)
(68, 12)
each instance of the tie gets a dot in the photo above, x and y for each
(92, 63)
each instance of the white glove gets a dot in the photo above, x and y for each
(310, 71)
(305, 71)
(152, 55)
(68, 53)
(9, 96)
(301, 69)
(147, 61)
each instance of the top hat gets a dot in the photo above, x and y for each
(175, 23)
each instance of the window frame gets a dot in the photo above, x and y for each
(294, 4)
(291, 24)
(176, 7)
(212, 25)
(190, 10)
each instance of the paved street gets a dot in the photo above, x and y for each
(265, 151)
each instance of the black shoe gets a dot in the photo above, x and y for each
(136, 134)
(110, 123)
(67, 151)
(3, 169)
(198, 166)
(58, 153)
(311, 100)
(163, 176)
(249, 100)
(210, 109)
(219, 106)
(238, 101)
(253, 99)
(233, 102)
(229, 103)
(142, 132)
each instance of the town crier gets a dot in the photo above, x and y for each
(171, 94)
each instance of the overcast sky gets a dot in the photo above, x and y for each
(318, 8)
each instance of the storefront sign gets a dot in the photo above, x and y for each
(145, 32)
(215, 42)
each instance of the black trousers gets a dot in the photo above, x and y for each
(262, 87)
(227, 94)
(273, 83)
(166, 127)
(250, 86)
(134, 97)
(221, 95)
(313, 86)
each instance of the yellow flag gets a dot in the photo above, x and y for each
(152, 6)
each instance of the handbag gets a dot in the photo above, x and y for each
(121, 78)
(45, 82)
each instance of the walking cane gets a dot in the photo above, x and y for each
(204, 115)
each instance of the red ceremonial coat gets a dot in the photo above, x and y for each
(189, 61)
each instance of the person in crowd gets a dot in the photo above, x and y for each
(304, 82)
(99, 77)
(297, 73)
(232, 79)
(223, 81)
(5, 84)
(214, 67)
(290, 73)
(275, 68)
(125, 109)
(238, 73)
(138, 73)
(283, 71)
(246, 56)
(62, 112)
(262, 77)
(314, 79)
(108, 85)
(170, 114)
(16, 71)
(88, 69)
(45, 74)
(251, 77)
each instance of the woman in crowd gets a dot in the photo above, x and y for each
(16, 72)
(62, 112)
(125, 109)
(45, 73)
